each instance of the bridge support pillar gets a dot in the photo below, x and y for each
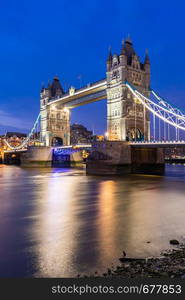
(76, 159)
(117, 158)
(2, 157)
(147, 160)
(109, 158)
(37, 157)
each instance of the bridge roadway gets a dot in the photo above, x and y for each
(148, 144)
(107, 158)
(159, 144)
(88, 94)
(78, 146)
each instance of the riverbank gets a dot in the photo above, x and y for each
(170, 264)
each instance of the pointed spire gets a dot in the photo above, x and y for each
(147, 60)
(128, 39)
(56, 88)
(129, 50)
(110, 54)
(49, 84)
(123, 51)
(56, 77)
(42, 87)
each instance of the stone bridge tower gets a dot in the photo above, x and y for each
(127, 119)
(55, 119)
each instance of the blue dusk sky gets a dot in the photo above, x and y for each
(41, 39)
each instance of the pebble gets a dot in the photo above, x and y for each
(174, 242)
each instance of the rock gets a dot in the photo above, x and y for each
(122, 259)
(171, 264)
(148, 242)
(109, 271)
(133, 260)
(124, 253)
(174, 242)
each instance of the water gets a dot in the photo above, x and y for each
(60, 222)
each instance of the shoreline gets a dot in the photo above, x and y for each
(170, 264)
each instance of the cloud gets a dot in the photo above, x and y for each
(7, 119)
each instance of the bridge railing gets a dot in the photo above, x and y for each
(157, 142)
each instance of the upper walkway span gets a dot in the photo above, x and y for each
(90, 93)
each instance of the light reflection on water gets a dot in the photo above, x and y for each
(60, 222)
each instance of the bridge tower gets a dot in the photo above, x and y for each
(55, 118)
(126, 117)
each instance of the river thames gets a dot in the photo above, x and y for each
(60, 222)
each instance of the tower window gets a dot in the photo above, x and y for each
(115, 129)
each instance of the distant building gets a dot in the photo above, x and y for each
(80, 135)
(14, 138)
(175, 153)
(14, 135)
(99, 138)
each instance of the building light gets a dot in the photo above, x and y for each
(106, 134)
(66, 110)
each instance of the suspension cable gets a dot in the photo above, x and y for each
(154, 126)
(164, 128)
(135, 121)
(176, 111)
(25, 142)
(159, 110)
(168, 132)
(144, 125)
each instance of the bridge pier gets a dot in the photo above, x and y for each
(12, 158)
(76, 159)
(109, 158)
(146, 160)
(48, 157)
(118, 158)
(39, 156)
(67, 158)
(1, 157)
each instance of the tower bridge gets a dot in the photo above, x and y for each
(131, 113)
(137, 117)
(56, 105)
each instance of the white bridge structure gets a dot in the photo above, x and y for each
(135, 113)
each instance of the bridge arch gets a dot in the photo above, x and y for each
(57, 141)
